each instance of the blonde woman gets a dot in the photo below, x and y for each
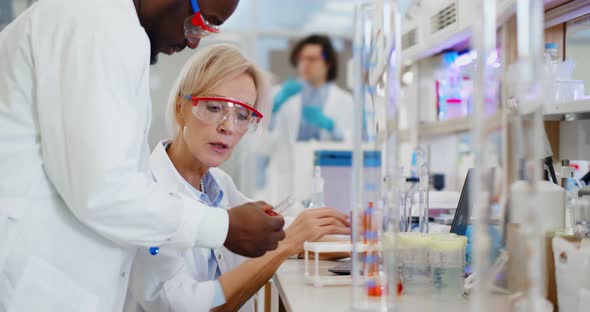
(219, 97)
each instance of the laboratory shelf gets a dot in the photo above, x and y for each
(459, 31)
(446, 127)
(436, 129)
(457, 125)
(559, 111)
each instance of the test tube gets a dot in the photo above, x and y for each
(423, 200)
(371, 43)
(485, 44)
(403, 201)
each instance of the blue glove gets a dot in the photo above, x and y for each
(290, 88)
(315, 116)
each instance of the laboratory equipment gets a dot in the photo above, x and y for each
(581, 216)
(410, 187)
(282, 206)
(336, 168)
(315, 278)
(415, 269)
(551, 204)
(405, 203)
(417, 183)
(438, 181)
(550, 54)
(316, 198)
(423, 201)
(560, 87)
(530, 87)
(375, 52)
(450, 103)
(572, 274)
(462, 217)
(485, 97)
(447, 264)
(390, 191)
(572, 187)
(364, 45)
(371, 228)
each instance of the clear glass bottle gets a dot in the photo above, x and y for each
(316, 198)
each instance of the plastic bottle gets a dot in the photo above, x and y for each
(317, 189)
(551, 62)
(551, 52)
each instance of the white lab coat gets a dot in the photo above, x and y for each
(280, 143)
(75, 196)
(177, 280)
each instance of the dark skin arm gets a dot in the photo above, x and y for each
(252, 232)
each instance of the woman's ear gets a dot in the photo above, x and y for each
(179, 113)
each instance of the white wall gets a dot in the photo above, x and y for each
(579, 51)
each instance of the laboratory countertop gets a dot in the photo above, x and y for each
(297, 296)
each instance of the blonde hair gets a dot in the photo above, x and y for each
(209, 68)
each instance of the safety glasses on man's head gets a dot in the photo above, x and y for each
(197, 27)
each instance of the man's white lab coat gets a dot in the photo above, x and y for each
(75, 197)
(178, 280)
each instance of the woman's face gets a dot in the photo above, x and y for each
(213, 144)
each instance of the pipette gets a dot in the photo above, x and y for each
(282, 206)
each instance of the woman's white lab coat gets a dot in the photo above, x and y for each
(279, 147)
(75, 197)
(177, 280)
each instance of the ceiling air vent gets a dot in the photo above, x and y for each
(409, 39)
(444, 18)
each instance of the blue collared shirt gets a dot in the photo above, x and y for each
(212, 196)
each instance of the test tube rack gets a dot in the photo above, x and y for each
(319, 280)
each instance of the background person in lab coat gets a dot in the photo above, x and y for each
(75, 198)
(310, 108)
(313, 106)
(205, 132)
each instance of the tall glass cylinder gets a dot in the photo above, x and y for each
(374, 218)
(485, 92)
(530, 32)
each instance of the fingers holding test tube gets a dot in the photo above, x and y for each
(281, 207)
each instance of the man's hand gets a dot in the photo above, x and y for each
(252, 232)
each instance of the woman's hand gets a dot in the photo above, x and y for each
(311, 225)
